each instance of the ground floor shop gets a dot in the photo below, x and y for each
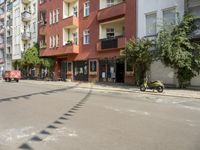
(95, 70)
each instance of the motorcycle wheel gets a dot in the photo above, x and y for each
(142, 88)
(160, 89)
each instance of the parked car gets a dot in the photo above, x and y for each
(10, 75)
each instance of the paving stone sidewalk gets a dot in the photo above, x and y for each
(186, 93)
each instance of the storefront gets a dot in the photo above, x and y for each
(81, 70)
(111, 70)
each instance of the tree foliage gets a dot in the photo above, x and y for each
(137, 53)
(178, 51)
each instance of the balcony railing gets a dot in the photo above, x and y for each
(26, 16)
(112, 43)
(26, 36)
(43, 46)
(71, 21)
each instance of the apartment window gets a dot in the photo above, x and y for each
(169, 18)
(86, 8)
(110, 3)
(69, 66)
(54, 16)
(110, 33)
(34, 8)
(195, 11)
(57, 15)
(50, 17)
(34, 27)
(93, 66)
(86, 37)
(75, 38)
(129, 66)
(151, 24)
(57, 40)
(51, 42)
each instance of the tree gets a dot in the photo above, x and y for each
(137, 53)
(178, 51)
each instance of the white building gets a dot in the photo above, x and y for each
(21, 28)
(153, 15)
(24, 26)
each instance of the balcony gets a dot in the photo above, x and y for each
(26, 36)
(26, 16)
(9, 7)
(2, 31)
(26, 1)
(71, 22)
(111, 44)
(2, 16)
(43, 46)
(2, 45)
(67, 49)
(9, 23)
(195, 34)
(113, 12)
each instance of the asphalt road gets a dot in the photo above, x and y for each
(54, 117)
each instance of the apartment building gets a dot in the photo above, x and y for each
(193, 7)
(151, 19)
(21, 28)
(2, 35)
(85, 37)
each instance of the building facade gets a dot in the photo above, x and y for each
(151, 19)
(85, 37)
(21, 29)
(193, 7)
(2, 35)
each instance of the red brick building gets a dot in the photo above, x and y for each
(86, 36)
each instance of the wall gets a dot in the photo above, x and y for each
(158, 70)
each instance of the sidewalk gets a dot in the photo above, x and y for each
(184, 93)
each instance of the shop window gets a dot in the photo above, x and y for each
(69, 66)
(93, 66)
(129, 67)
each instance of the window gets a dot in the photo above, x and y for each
(34, 8)
(69, 66)
(86, 37)
(93, 66)
(75, 11)
(110, 33)
(195, 11)
(54, 16)
(110, 3)
(86, 8)
(57, 40)
(34, 27)
(57, 15)
(50, 18)
(151, 24)
(75, 38)
(169, 18)
(50, 42)
(54, 41)
(129, 66)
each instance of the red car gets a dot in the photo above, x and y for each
(12, 75)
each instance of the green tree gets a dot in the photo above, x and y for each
(179, 52)
(137, 52)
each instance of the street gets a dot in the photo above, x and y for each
(38, 116)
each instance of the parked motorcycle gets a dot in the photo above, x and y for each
(155, 85)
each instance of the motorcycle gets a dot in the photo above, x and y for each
(155, 85)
